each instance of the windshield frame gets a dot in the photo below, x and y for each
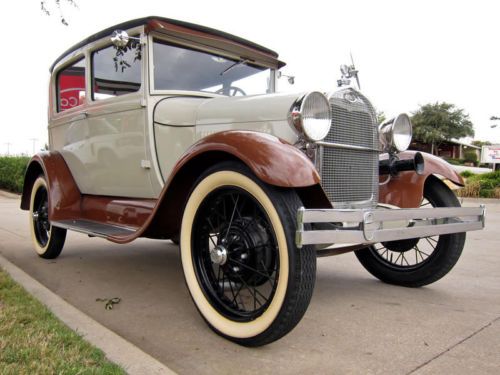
(178, 42)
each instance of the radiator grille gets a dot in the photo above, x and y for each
(350, 177)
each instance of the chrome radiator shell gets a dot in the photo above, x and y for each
(349, 155)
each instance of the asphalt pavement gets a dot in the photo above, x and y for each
(354, 325)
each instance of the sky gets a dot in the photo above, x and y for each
(409, 53)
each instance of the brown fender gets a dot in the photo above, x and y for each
(406, 190)
(273, 160)
(64, 195)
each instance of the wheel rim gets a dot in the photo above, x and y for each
(235, 254)
(40, 216)
(408, 254)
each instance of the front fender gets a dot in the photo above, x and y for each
(406, 190)
(273, 160)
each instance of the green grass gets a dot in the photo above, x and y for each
(12, 170)
(34, 341)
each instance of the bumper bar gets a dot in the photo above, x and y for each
(367, 226)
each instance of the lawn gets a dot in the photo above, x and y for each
(34, 341)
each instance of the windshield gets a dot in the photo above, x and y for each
(181, 68)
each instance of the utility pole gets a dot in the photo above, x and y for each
(34, 141)
(8, 147)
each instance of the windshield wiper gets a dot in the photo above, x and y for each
(234, 66)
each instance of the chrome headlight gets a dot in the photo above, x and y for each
(311, 116)
(396, 133)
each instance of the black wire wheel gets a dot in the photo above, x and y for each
(417, 262)
(48, 241)
(247, 278)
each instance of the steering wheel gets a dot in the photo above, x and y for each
(233, 91)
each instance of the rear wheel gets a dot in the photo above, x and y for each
(246, 276)
(48, 240)
(418, 261)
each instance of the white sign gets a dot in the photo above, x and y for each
(490, 154)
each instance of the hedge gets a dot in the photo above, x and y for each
(485, 185)
(12, 170)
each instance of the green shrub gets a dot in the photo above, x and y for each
(485, 185)
(470, 157)
(12, 170)
(455, 161)
(466, 174)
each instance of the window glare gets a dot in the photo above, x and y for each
(115, 72)
(180, 68)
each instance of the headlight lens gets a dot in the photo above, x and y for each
(311, 116)
(396, 133)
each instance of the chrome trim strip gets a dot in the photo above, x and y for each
(368, 224)
(344, 146)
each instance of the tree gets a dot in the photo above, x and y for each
(45, 9)
(380, 117)
(481, 143)
(438, 122)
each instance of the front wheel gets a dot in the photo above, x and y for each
(48, 240)
(247, 278)
(418, 261)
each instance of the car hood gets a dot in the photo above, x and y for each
(191, 111)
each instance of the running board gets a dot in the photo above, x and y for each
(94, 228)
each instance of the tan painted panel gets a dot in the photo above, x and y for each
(241, 109)
(171, 144)
(104, 151)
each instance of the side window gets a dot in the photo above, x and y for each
(116, 72)
(71, 86)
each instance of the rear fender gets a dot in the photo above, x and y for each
(406, 190)
(64, 195)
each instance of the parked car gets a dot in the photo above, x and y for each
(169, 130)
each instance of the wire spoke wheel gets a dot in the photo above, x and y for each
(48, 240)
(236, 255)
(416, 262)
(40, 216)
(410, 253)
(247, 278)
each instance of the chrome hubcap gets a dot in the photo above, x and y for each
(218, 255)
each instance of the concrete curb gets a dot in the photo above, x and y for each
(8, 194)
(116, 348)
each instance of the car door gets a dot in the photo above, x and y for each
(107, 154)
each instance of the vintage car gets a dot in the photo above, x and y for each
(174, 131)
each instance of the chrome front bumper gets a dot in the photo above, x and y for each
(367, 226)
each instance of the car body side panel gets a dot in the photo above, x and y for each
(180, 121)
(406, 190)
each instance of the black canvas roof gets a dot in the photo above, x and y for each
(146, 20)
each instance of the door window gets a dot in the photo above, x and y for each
(116, 71)
(71, 86)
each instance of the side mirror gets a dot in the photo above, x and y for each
(120, 38)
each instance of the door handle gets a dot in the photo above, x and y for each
(80, 116)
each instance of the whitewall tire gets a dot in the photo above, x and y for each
(248, 280)
(47, 240)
